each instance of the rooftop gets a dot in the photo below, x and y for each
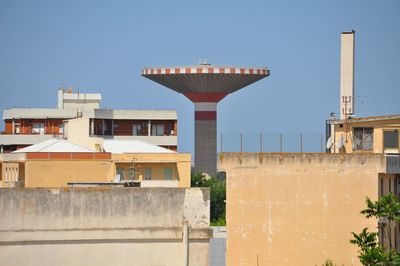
(54, 145)
(132, 146)
(368, 119)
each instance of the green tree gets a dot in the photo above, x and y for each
(371, 253)
(217, 196)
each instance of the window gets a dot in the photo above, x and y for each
(17, 129)
(157, 129)
(363, 138)
(167, 173)
(391, 139)
(60, 129)
(131, 173)
(140, 129)
(147, 173)
(136, 130)
(38, 128)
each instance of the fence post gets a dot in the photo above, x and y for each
(322, 142)
(280, 139)
(261, 147)
(301, 142)
(241, 142)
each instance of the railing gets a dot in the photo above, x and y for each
(271, 142)
(392, 163)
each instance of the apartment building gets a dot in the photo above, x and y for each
(28, 126)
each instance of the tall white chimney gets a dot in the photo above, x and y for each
(347, 74)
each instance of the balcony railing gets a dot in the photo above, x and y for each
(392, 163)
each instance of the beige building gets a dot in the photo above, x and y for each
(298, 208)
(375, 134)
(55, 163)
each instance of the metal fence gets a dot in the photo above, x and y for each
(271, 142)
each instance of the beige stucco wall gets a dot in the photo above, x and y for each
(57, 173)
(104, 226)
(179, 162)
(297, 209)
(77, 131)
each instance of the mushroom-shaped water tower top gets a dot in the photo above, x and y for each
(205, 85)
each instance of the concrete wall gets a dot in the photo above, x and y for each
(297, 209)
(118, 226)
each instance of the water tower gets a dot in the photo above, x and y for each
(205, 85)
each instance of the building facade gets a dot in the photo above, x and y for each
(59, 163)
(375, 134)
(27, 126)
(283, 207)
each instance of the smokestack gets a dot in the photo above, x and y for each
(347, 74)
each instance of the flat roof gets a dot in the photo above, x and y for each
(367, 119)
(54, 113)
(132, 146)
(38, 113)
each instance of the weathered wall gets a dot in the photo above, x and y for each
(107, 226)
(297, 209)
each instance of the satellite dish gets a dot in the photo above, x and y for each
(329, 143)
(340, 143)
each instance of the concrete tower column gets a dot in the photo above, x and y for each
(347, 74)
(205, 127)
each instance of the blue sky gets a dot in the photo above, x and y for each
(103, 45)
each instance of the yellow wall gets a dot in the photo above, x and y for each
(297, 209)
(179, 162)
(379, 127)
(157, 170)
(57, 173)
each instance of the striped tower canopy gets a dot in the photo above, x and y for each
(205, 83)
(205, 86)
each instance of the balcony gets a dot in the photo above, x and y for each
(23, 139)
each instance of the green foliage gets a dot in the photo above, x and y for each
(386, 207)
(371, 253)
(329, 263)
(217, 197)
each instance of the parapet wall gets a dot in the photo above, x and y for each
(103, 226)
(297, 208)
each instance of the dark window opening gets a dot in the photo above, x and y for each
(363, 138)
(391, 139)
